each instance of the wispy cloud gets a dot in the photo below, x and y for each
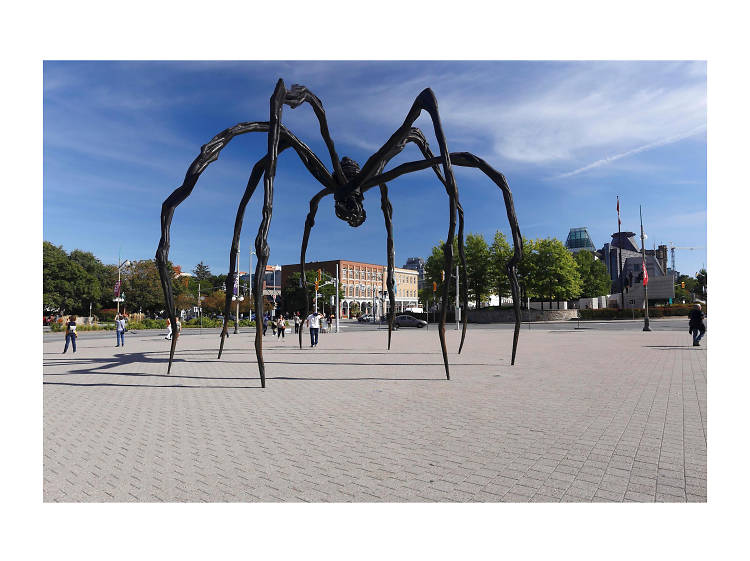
(561, 116)
(639, 149)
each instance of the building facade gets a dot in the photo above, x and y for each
(660, 280)
(416, 264)
(363, 286)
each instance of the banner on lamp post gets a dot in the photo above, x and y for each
(117, 289)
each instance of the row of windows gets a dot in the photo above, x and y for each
(350, 273)
(361, 274)
(366, 291)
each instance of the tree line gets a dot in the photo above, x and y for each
(547, 271)
(76, 282)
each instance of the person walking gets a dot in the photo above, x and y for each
(70, 333)
(273, 326)
(297, 321)
(169, 330)
(178, 325)
(120, 330)
(281, 327)
(696, 326)
(313, 322)
(265, 324)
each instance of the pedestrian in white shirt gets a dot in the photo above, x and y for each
(313, 322)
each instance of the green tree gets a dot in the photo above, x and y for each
(433, 270)
(692, 288)
(66, 285)
(594, 278)
(702, 278)
(527, 270)
(202, 272)
(500, 253)
(142, 286)
(293, 299)
(478, 268)
(556, 275)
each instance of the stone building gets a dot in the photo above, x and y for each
(364, 286)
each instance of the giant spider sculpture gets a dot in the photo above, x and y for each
(347, 182)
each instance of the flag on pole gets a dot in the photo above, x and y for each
(645, 273)
(618, 212)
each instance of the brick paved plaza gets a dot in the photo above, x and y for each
(584, 415)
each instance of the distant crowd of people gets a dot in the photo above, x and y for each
(278, 327)
(313, 321)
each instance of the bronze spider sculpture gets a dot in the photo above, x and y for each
(347, 182)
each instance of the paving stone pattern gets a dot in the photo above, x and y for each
(584, 415)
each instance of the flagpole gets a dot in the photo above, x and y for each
(645, 273)
(619, 254)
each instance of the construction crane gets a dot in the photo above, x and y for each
(673, 247)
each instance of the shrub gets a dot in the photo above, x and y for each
(628, 313)
(59, 327)
(107, 314)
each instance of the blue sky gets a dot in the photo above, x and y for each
(569, 136)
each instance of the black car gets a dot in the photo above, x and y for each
(408, 321)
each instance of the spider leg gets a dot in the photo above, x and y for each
(261, 240)
(466, 159)
(297, 95)
(385, 204)
(415, 135)
(252, 183)
(309, 223)
(425, 101)
(209, 153)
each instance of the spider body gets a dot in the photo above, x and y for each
(348, 203)
(347, 181)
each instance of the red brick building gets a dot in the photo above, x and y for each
(364, 285)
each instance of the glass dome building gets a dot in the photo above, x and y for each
(579, 239)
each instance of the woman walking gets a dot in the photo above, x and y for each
(120, 328)
(696, 327)
(70, 333)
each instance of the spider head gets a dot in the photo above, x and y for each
(349, 208)
(349, 202)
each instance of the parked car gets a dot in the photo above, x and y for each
(408, 321)
(365, 318)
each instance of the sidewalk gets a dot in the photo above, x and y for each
(584, 415)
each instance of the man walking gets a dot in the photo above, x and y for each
(313, 322)
(696, 326)
(297, 322)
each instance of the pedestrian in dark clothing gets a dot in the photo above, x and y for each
(696, 327)
(273, 327)
(281, 326)
(70, 333)
(297, 322)
(265, 324)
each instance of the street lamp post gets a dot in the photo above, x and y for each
(120, 297)
(645, 272)
(236, 296)
(458, 310)
(250, 286)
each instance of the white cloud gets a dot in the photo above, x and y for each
(609, 159)
(553, 114)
